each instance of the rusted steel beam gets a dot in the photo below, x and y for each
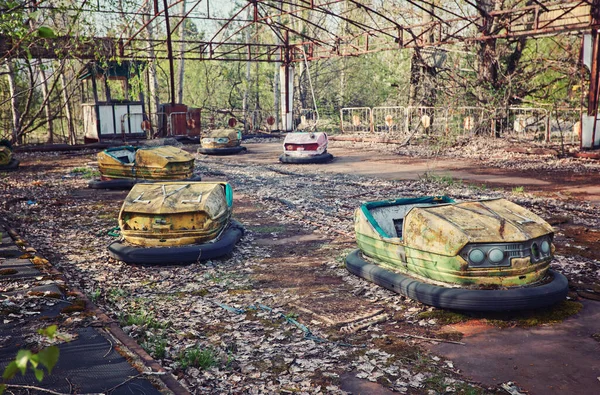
(594, 91)
(379, 34)
(169, 52)
(60, 47)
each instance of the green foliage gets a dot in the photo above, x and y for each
(95, 295)
(142, 318)
(85, 172)
(116, 294)
(46, 32)
(156, 345)
(291, 315)
(442, 179)
(518, 190)
(26, 359)
(201, 358)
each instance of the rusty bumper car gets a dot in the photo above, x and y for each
(7, 160)
(222, 142)
(487, 255)
(176, 222)
(123, 167)
(305, 147)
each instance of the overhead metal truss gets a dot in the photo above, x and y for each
(295, 30)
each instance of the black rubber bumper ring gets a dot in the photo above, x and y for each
(12, 165)
(521, 298)
(128, 183)
(221, 151)
(321, 158)
(178, 255)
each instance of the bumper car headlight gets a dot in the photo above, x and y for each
(496, 255)
(545, 246)
(476, 257)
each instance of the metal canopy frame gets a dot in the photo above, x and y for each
(288, 31)
(317, 29)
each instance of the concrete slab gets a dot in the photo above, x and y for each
(554, 359)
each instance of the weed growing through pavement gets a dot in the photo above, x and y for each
(443, 179)
(85, 172)
(142, 318)
(95, 295)
(115, 294)
(201, 358)
(518, 190)
(156, 345)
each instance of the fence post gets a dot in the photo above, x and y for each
(547, 126)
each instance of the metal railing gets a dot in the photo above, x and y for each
(356, 120)
(523, 123)
(390, 120)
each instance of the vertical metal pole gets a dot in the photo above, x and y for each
(287, 87)
(286, 63)
(593, 93)
(170, 52)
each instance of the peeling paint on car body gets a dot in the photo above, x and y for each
(175, 213)
(435, 237)
(151, 163)
(222, 138)
(303, 144)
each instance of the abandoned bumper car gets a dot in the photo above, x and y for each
(7, 161)
(221, 142)
(488, 255)
(176, 222)
(303, 147)
(123, 167)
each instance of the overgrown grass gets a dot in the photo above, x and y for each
(85, 172)
(142, 318)
(201, 358)
(95, 295)
(269, 229)
(442, 179)
(156, 345)
(115, 294)
(518, 190)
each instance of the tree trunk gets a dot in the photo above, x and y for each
(14, 104)
(415, 78)
(181, 68)
(423, 72)
(67, 107)
(46, 99)
(45, 93)
(342, 84)
(487, 68)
